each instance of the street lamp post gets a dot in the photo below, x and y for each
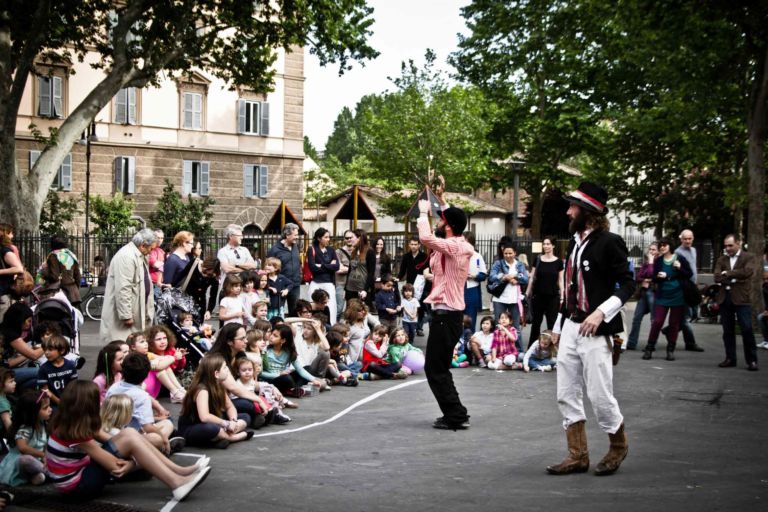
(88, 136)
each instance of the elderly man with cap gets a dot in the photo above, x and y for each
(449, 263)
(597, 260)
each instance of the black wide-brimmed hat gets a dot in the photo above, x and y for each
(589, 196)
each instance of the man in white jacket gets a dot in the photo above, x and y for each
(129, 305)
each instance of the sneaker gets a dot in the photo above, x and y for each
(443, 424)
(177, 396)
(80, 362)
(763, 345)
(38, 479)
(419, 333)
(177, 444)
(180, 493)
(291, 405)
(546, 368)
(282, 419)
(400, 375)
(482, 364)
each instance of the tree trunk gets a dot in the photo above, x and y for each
(756, 162)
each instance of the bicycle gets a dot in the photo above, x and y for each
(92, 301)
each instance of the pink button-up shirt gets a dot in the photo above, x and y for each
(449, 263)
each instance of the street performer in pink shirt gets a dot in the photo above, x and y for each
(449, 263)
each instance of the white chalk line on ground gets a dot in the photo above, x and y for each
(171, 504)
(343, 412)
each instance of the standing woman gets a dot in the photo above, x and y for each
(669, 269)
(645, 302)
(510, 273)
(182, 246)
(61, 265)
(11, 266)
(323, 264)
(473, 295)
(202, 285)
(545, 288)
(383, 262)
(362, 268)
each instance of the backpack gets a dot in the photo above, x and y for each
(357, 277)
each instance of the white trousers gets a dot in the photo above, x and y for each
(586, 361)
(330, 288)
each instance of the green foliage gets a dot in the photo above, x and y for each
(56, 213)
(310, 150)
(113, 216)
(174, 214)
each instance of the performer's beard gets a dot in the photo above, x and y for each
(578, 223)
(440, 232)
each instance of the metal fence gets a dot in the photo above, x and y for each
(35, 247)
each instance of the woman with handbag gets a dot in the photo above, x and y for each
(323, 264)
(507, 274)
(669, 272)
(545, 288)
(196, 280)
(177, 261)
(362, 269)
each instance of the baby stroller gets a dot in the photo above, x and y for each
(709, 308)
(63, 315)
(167, 309)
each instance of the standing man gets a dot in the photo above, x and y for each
(414, 262)
(233, 257)
(688, 251)
(129, 304)
(343, 254)
(449, 263)
(287, 251)
(733, 271)
(588, 318)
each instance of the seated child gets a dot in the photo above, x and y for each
(81, 458)
(375, 367)
(542, 355)
(503, 349)
(161, 373)
(136, 367)
(480, 342)
(344, 361)
(399, 348)
(247, 373)
(57, 372)
(27, 438)
(109, 367)
(459, 359)
(344, 376)
(201, 336)
(8, 383)
(162, 343)
(116, 413)
(136, 342)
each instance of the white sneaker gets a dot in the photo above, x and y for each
(180, 493)
(177, 396)
(764, 345)
(546, 368)
(202, 462)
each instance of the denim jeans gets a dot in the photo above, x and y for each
(353, 368)
(731, 313)
(534, 363)
(514, 310)
(410, 331)
(685, 327)
(762, 318)
(644, 307)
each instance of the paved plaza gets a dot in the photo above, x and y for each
(695, 444)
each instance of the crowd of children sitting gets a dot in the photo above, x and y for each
(82, 434)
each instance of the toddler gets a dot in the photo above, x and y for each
(116, 413)
(399, 348)
(278, 286)
(503, 349)
(201, 336)
(388, 303)
(410, 312)
(247, 373)
(542, 354)
(8, 380)
(480, 342)
(232, 308)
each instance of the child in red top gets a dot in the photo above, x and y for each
(375, 367)
(166, 346)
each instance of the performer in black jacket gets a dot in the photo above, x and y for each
(589, 316)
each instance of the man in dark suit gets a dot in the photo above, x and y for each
(596, 262)
(734, 271)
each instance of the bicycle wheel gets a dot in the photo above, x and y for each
(93, 306)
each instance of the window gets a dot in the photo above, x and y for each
(63, 178)
(49, 96)
(253, 117)
(125, 106)
(197, 177)
(125, 174)
(255, 180)
(192, 115)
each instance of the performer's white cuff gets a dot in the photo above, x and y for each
(556, 327)
(610, 308)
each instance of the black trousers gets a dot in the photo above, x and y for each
(444, 331)
(542, 306)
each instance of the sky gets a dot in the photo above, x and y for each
(403, 29)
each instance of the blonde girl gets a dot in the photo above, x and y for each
(116, 413)
(542, 355)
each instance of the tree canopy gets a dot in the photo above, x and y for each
(137, 40)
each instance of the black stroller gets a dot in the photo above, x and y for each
(709, 308)
(63, 315)
(167, 309)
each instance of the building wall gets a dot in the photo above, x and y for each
(160, 145)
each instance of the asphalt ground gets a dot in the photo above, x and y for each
(694, 445)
